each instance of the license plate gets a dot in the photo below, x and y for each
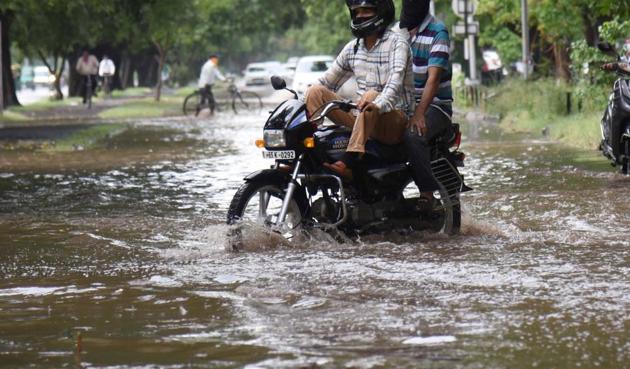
(281, 155)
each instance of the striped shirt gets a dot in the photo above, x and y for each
(385, 68)
(430, 48)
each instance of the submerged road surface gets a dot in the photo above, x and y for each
(121, 251)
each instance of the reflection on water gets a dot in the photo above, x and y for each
(125, 245)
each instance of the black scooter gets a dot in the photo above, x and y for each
(299, 191)
(615, 124)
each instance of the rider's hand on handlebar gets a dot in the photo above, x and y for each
(609, 66)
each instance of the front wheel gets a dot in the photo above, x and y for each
(246, 101)
(259, 204)
(192, 104)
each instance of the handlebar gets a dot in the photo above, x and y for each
(335, 104)
(621, 68)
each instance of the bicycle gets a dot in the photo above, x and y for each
(88, 91)
(240, 101)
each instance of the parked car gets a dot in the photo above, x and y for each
(492, 71)
(288, 69)
(42, 76)
(259, 74)
(309, 69)
(26, 76)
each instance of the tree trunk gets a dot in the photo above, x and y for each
(125, 66)
(561, 61)
(57, 83)
(74, 79)
(161, 57)
(591, 33)
(56, 71)
(8, 82)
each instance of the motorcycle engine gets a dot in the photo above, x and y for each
(326, 210)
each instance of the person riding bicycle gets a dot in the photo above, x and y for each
(430, 44)
(209, 74)
(87, 67)
(380, 61)
(106, 70)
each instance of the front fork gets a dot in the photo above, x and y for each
(290, 191)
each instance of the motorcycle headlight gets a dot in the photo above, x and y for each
(274, 138)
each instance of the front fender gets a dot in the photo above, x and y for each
(273, 176)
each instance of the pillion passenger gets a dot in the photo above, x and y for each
(432, 75)
(380, 61)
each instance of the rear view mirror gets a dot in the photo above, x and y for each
(278, 83)
(607, 48)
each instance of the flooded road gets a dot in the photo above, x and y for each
(122, 251)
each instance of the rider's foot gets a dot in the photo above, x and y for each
(340, 168)
(426, 203)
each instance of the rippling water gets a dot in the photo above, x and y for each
(121, 250)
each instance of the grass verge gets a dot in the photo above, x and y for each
(87, 138)
(145, 108)
(13, 115)
(549, 107)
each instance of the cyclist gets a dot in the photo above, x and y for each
(87, 67)
(209, 74)
(381, 63)
(106, 70)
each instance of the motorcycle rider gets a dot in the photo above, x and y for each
(432, 72)
(624, 58)
(380, 61)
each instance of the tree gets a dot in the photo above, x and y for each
(7, 17)
(54, 29)
(554, 25)
(168, 23)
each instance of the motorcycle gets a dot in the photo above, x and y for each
(299, 191)
(615, 124)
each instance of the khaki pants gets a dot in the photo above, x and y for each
(387, 128)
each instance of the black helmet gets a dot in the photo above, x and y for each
(385, 13)
(413, 13)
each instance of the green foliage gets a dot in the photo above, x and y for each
(586, 61)
(615, 31)
(244, 31)
(532, 106)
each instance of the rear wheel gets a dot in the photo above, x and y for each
(447, 216)
(246, 101)
(625, 164)
(452, 213)
(258, 203)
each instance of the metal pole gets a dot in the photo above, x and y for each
(525, 36)
(1, 73)
(472, 57)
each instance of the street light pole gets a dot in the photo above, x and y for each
(525, 37)
(1, 73)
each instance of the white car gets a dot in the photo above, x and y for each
(309, 69)
(42, 76)
(259, 74)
